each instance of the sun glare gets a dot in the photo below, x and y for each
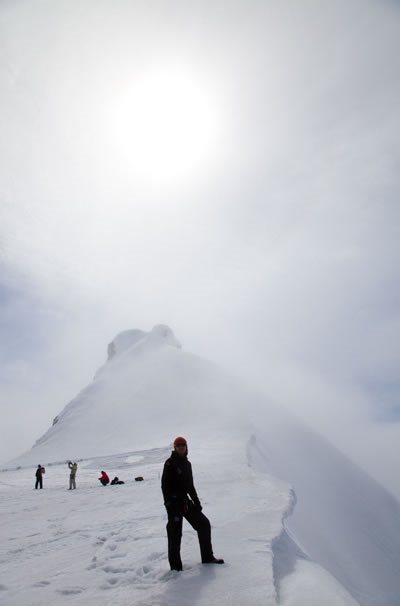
(165, 126)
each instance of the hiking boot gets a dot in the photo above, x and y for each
(214, 561)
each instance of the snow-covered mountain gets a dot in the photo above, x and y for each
(150, 390)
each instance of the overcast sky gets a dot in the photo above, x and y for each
(229, 169)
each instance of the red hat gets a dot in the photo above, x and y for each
(179, 441)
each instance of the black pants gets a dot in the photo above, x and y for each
(39, 482)
(174, 531)
(104, 482)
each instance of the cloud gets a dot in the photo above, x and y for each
(276, 255)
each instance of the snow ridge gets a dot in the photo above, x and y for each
(345, 521)
(285, 550)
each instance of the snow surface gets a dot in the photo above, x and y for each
(109, 543)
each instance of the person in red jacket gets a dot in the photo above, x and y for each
(104, 479)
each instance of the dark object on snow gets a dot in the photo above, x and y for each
(39, 476)
(139, 479)
(176, 485)
(104, 479)
(116, 481)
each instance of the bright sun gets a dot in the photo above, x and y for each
(165, 126)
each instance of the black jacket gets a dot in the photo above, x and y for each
(177, 483)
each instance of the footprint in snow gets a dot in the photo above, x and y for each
(116, 556)
(93, 564)
(41, 584)
(71, 590)
(156, 555)
(144, 570)
(116, 569)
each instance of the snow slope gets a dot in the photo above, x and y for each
(107, 545)
(344, 519)
(150, 390)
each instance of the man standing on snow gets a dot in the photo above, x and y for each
(177, 484)
(39, 476)
(74, 468)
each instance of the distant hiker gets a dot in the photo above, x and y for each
(104, 479)
(117, 481)
(74, 468)
(39, 476)
(177, 484)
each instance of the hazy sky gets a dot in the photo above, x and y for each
(229, 169)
